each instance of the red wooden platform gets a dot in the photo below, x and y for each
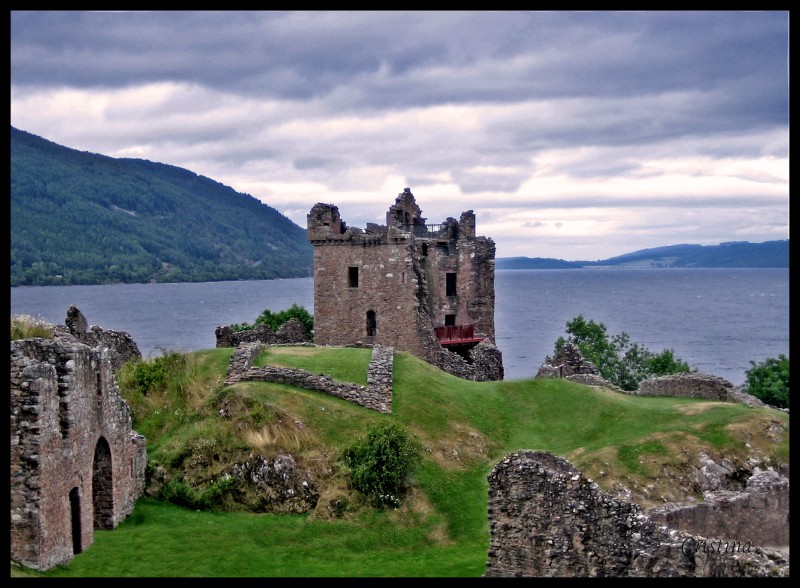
(456, 335)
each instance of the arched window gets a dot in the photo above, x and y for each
(102, 486)
(372, 323)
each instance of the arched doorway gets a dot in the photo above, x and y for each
(102, 486)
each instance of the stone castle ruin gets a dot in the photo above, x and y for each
(426, 289)
(76, 463)
(548, 520)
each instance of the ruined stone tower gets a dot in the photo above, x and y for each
(421, 288)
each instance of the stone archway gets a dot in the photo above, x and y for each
(102, 486)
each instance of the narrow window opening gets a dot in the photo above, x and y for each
(424, 250)
(75, 519)
(372, 323)
(352, 277)
(451, 284)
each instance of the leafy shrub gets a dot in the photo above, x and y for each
(209, 498)
(769, 381)
(619, 361)
(382, 461)
(274, 320)
(150, 375)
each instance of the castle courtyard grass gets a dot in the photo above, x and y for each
(441, 528)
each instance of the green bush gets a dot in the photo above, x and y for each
(275, 319)
(150, 375)
(769, 381)
(381, 463)
(208, 498)
(619, 361)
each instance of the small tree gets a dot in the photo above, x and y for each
(382, 461)
(619, 361)
(275, 319)
(769, 381)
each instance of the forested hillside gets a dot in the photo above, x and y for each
(84, 218)
(770, 254)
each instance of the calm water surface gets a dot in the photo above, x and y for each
(717, 320)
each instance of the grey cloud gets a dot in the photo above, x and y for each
(398, 59)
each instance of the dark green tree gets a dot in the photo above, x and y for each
(769, 381)
(620, 361)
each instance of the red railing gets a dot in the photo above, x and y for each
(456, 334)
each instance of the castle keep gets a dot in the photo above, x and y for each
(421, 288)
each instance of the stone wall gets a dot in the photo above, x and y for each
(377, 395)
(567, 362)
(292, 331)
(570, 364)
(547, 520)
(76, 463)
(122, 348)
(689, 385)
(760, 513)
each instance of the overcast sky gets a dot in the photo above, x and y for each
(572, 135)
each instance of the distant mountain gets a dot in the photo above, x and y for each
(84, 218)
(729, 254)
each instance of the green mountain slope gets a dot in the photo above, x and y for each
(83, 218)
(732, 254)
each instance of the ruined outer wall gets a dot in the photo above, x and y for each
(760, 514)
(64, 399)
(688, 385)
(546, 519)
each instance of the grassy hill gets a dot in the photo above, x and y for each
(647, 445)
(84, 218)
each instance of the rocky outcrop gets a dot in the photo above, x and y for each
(280, 485)
(547, 519)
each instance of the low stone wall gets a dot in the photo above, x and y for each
(688, 385)
(760, 514)
(292, 331)
(377, 395)
(547, 520)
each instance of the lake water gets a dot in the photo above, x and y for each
(717, 320)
